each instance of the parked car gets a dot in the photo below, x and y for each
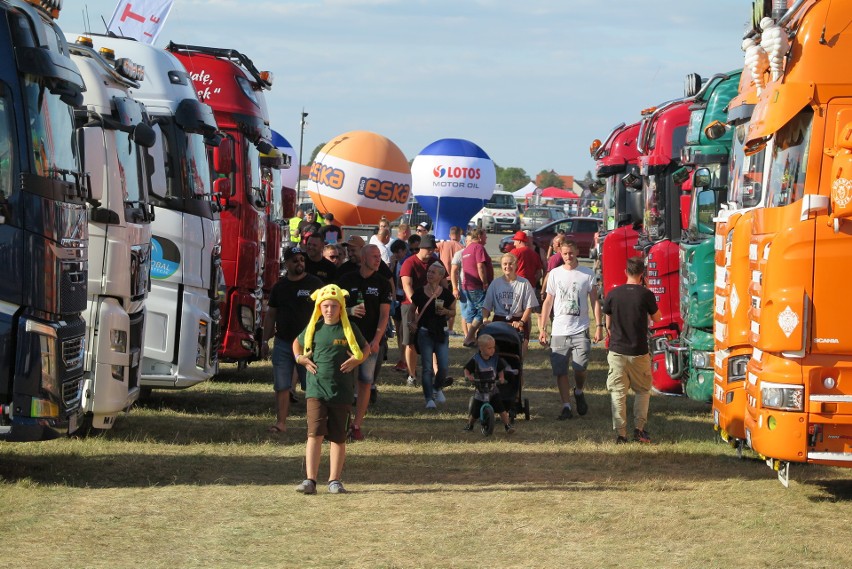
(581, 230)
(535, 217)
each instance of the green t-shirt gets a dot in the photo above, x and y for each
(330, 351)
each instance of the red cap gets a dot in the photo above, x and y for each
(520, 236)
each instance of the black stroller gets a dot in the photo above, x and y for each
(509, 347)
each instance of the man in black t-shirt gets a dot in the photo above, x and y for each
(315, 263)
(368, 307)
(308, 226)
(628, 308)
(290, 308)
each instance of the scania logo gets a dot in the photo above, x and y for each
(456, 172)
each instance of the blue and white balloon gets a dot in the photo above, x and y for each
(451, 179)
(289, 176)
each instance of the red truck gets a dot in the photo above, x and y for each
(229, 82)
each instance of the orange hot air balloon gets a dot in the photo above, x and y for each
(360, 176)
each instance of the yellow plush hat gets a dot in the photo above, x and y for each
(331, 292)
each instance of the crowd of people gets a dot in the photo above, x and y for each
(341, 300)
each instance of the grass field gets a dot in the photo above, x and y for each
(192, 479)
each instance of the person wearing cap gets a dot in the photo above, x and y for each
(422, 228)
(353, 255)
(412, 275)
(529, 262)
(477, 274)
(331, 349)
(290, 307)
(331, 232)
(368, 307)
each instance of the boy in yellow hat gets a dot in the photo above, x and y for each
(331, 349)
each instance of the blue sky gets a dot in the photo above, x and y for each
(531, 82)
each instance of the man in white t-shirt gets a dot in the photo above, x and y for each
(568, 287)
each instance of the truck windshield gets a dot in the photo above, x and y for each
(786, 183)
(51, 131)
(609, 201)
(703, 205)
(502, 201)
(745, 173)
(655, 208)
(129, 169)
(194, 169)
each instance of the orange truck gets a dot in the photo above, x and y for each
(731, 325)
(799, 378)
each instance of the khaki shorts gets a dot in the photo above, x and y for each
(328, 420)
(404, 333)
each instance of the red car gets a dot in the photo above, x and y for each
(581, 230)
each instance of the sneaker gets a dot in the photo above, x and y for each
(582, 406)
(336, 487)
(355, 434)
(411, 381)
(374, 396)
(619, 440)
(565, 414)
(641, 436)
(509, 429)
(468, 427)
(400, 367)
(448, 381)
(307, 487)
(440, 397)
(431, 404)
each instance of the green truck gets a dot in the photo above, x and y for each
(690, 357)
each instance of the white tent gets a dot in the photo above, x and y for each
(523, 192)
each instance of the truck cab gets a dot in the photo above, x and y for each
(705, 155)
(616, 158)
(115, 133)
(229, 82)
(662, 135)
(798, 399)
(43, 230)
(183, 306)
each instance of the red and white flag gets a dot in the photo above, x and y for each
(140, 19)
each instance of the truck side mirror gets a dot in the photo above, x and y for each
(223, 157)
(715, 130)
(91, 141)
(680, 175)
(144, 135)
(222, 192)
(706, 207)
(701, 178)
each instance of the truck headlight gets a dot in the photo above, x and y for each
(247, 317)
(737, 367)
(118, 341)
(783, 397)
(118, 372)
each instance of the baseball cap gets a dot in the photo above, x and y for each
(292, 252)
(423, 225)
(355, 240)
(520, 236)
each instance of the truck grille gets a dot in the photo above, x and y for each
(72, 287)
(71, 394)
(72, 354)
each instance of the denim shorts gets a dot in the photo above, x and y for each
(283, 363)
(367, 369)
(573, 350)
(473, 305)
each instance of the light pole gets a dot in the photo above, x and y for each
(301, 142)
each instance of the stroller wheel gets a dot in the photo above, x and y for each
(527, 409)
(487, 420)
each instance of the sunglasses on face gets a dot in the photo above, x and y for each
(333, 257)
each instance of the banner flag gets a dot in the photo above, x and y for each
(141, 20)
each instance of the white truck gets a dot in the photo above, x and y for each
(181, 337)
(114, 135)
(499, 213)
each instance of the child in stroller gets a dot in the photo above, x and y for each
(486, 369)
